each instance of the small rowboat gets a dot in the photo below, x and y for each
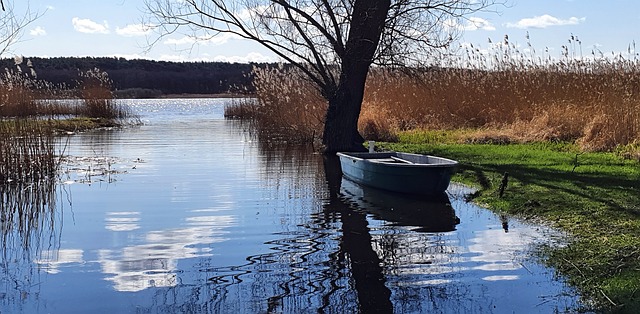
(399, 172)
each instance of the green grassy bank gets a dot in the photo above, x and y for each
(594, 197)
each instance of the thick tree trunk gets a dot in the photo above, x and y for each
(341, 122)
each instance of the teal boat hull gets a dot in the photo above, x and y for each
(399, 172)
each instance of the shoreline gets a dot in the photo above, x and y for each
(187, 96)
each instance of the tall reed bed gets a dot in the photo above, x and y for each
(26, 152)
(287, 108)
(16, 95)
(23, 95)
(507, 96)
(599, 109)
(98, 100)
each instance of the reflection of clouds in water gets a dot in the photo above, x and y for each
(501, 278)
(51, 261)
(122, 221)
(496, 250)
(133, 273)
(447, 255)
(154, 263)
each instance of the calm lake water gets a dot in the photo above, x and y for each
(188, 214)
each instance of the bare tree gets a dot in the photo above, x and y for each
(333, 42)
(13, 24)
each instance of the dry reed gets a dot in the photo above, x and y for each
(97, 98)
(26, 152)
(288, 108)
(509, 96)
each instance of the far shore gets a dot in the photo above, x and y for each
(223, 95)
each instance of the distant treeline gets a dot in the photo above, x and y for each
(161, 76)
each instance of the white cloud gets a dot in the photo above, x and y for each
(134, 30)
(476, 23)
(38, 31)
(472, 24)
(180, 41)
(545, 21)
(90, 27)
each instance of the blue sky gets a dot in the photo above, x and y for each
(112, 28)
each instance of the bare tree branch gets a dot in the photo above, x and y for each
(13, 24)
(332, 42)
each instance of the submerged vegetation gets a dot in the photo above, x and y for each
(565, 130)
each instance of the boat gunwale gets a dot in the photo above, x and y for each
(446, 164)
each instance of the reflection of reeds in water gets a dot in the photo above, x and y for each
(26, 211)
(28, 228)
(28, 170)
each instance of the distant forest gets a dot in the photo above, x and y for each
(160, 76)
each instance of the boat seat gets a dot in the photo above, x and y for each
(395, 160)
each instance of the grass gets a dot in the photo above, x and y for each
(592, 196)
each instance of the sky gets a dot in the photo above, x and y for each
(112, 28)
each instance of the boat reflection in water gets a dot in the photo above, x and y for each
(424, 213)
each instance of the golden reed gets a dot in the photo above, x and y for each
(510, 96)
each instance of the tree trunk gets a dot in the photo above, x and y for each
(341, 122)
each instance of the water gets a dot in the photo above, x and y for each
(188, 213)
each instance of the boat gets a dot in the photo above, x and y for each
(399, 172)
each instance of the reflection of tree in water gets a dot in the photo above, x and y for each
(328, 260)
(339, 255)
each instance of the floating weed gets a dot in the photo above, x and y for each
(93, 169)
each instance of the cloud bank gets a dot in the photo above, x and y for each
(38, 31)
(88, 26)
(545, 21)
(134, 30)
